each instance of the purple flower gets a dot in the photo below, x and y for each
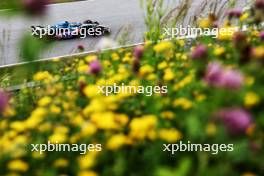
(259, 4)
(240, 39)
(261, 35)
(231, 79)
(199, 52)
(136, 65)
(235, 13)
(81, 47)
(4, 98)
(95, 67)
(138, 51)
(215, 24)
(35, 7)
(235, 120)
(216, 75)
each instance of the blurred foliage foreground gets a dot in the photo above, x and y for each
(215, 95)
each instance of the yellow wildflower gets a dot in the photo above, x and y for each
(87, 173)
(19, 126)
(61, 162)
(145, 69)
(249, 80)
(205, 23)
(58, 138)
(162, 65)
(83, 68)
(151, 77)
(181, 42)
(55, 109)
(116, 141)
(96, 105)
(18, 165)
(226, 33)
(45, 101)
(45, 127)
(105, 120)
(143, 127)
(248, 174)
(115, 57)
(38, 155)
(36, 118)
(251, 99)
(91, 91)
(91, 58)
(9, 112)
(41, 76)
(211, 129)
(168, 75)
(88, 160)
(244, 16)
(88, 129)
(183, 102)
(163, 46)
(185, 81)
(170, 135)
(218, 51)
(126, 58)
(167, 115)
(258, 52)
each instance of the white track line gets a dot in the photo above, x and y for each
(70, 55)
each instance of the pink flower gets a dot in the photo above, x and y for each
(216, 75)
(199, 52)
(138, 51)
(35, 7)
(95, 67)
(213, 74)
(235, 13)
(4, 98)
(231, 79)
(235, 120)
(261, 35)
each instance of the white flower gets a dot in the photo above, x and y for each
(105, 43)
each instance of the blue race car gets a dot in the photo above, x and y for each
(66, 30)
(70, 30)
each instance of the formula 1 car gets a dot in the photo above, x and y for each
(70, 30)
(94, 29)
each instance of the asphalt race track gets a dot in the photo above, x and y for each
(116, 14)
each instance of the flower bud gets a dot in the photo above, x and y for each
(4, 98)
(199, 52)
(239, 39)
(136, 65)
(95, 67)
(138, 51)
(81, 47)
(259, 4)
